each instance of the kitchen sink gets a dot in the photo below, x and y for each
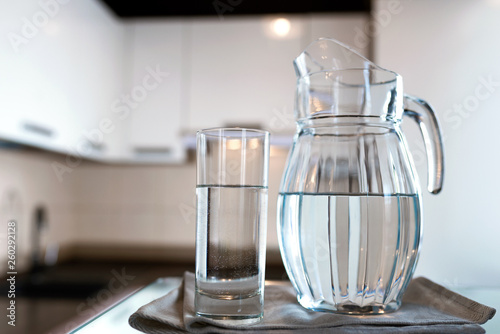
(56, 284)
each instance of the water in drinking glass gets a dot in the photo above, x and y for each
(230, 250)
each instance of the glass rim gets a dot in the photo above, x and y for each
(216, 132)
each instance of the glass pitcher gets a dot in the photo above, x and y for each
(349, 207)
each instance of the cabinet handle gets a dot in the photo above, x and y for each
(38, 129)
(152, 150)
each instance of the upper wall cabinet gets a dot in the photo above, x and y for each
(241, 71)
(155, 67)
(61, 69)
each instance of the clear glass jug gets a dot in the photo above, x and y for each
(349, 207)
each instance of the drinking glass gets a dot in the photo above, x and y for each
(231, 192)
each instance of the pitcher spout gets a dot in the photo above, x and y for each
(329, 54)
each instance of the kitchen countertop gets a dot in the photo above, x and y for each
(115, 319)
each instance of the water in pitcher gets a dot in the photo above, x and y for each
(228, 266)
(349, 251)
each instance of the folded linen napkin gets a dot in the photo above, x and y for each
(427, 308)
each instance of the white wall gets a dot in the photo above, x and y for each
(446, 51)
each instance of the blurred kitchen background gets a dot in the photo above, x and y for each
(99, 108)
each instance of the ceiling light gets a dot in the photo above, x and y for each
(281, 27)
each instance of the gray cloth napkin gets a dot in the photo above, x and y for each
(427, 308)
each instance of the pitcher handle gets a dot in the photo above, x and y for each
(420, 111)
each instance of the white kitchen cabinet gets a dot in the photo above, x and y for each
(61, 62)
(242, 72)
(24, 86)
(78, 80)
(156, 67)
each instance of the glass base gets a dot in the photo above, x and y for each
(231, 320)
(353, 309)
(230, 311)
